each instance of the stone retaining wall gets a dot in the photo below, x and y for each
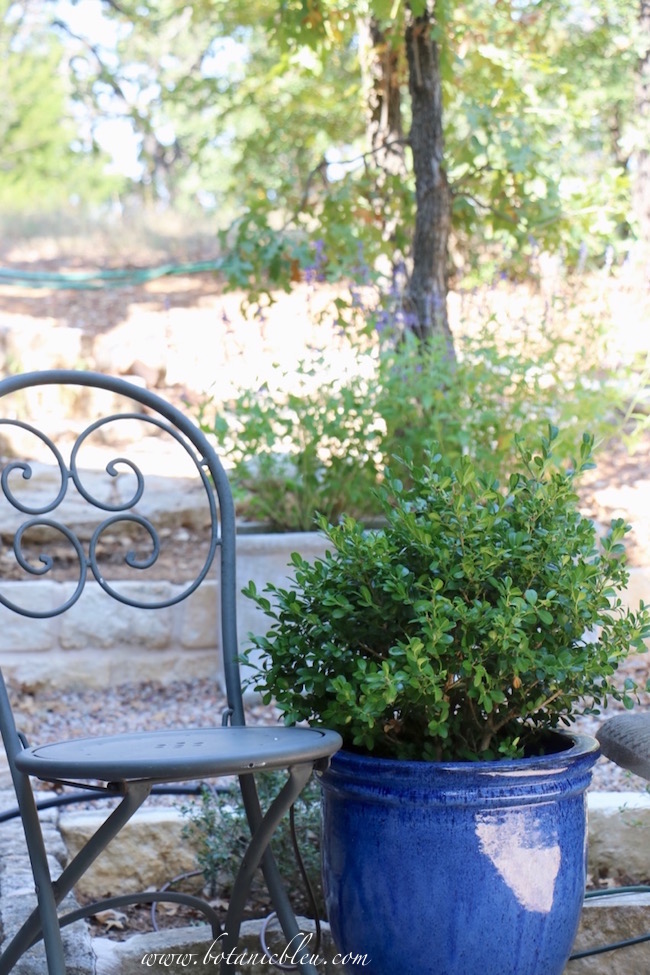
(618, 823)
(92, 644)
(98, 641)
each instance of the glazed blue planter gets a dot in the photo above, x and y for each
(457, 868)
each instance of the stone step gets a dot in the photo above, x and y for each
(618, 825)
(195, 949)
(608, 920)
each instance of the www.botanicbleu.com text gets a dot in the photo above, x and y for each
(296, 953)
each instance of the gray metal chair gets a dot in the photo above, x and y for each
(625, 740)
(129, 765)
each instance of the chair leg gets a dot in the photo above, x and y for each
(135, 795)
(44, 922)
(263, 828)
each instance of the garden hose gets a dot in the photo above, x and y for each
(310, 896)
(95, 280)
(614, 946)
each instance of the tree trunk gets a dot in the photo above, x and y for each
(382, 77)
(382, 67)
(427, 288)
(642, 173)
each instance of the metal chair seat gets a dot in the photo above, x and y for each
(625, 740)
(177, 755)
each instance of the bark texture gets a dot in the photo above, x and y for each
(428, 285)
(383, 73)
(382, 76)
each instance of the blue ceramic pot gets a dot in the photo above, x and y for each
(457, 868)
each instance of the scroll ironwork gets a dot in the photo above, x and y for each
(121, 514)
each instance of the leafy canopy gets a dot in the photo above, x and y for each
(259, 111)
(42, 159)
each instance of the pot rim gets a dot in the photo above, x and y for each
(502, 782)
(577, 744)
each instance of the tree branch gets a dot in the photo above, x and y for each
(490, 208)
(105, 74)
(321, 170)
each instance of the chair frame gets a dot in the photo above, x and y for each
(299, 751)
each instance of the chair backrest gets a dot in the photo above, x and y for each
(62, 512)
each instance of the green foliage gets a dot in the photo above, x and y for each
(41, 160)
(256, 105)
(226, 110)
(217, 827)
(478, 618)
(499, 389)
(539, 113)
(303, 453)
(321, 447)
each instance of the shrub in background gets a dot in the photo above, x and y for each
(303, 452)
(321, 448)
(497, 391)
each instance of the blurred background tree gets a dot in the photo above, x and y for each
(429, 143)
(641, 147)
(43, 157)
